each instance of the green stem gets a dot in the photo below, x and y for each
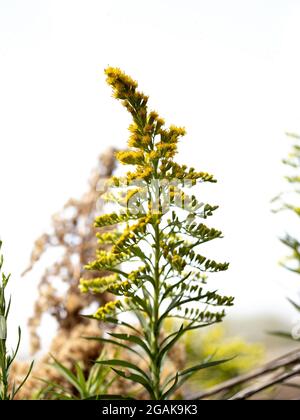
(156, 365)
(3, 373)
(3, 352)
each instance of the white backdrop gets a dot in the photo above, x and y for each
(227, 71)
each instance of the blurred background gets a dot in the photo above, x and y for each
(227, 71)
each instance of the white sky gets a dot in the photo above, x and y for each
(226, 70)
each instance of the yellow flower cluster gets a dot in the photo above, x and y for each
(172, 135)
(130, 235)
(131, 193)
(120, 288)
(136, 274)
(124, 88)
(172, 170)
(131, 157)
(138, 139)
(107, 310)
(166, 150)
(145, 127)
(114, 218)
(155, 123)
(119, 81)
(107, 237)
(175, 132)
(106, 260)
(144, 173)
(125, 288)
(177, 262)
(111, 284)
(99, 284)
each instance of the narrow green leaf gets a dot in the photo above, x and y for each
(295, 305)
(24, 380)
(124, 324)
(132, 339)
(67, 374)
(107, 340)
(137, 379)
(81, 380)
(171, 389)
(168, 346)
(201, 366)
(123, 363)
(12, 358)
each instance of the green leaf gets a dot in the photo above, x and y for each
(16, 349)
(295, 305)
(24, 380)
(137, 379)
(124, 324)
(201, 366)
(123, 363)
(190, 327)
(8, 308)
(107, 340)
(168, 346)
(81, 379)
(132, 339)
(187, 373)
(53, 388)
(143, 304)
(139, 253)
(171, 389)
(67, 374)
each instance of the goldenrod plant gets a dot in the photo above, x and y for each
(8, 390)
(154, 267)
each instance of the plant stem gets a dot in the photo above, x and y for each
(3, 374)
(3, 350)
(155, 324)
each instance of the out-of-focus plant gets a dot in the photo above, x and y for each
(69, 347)
(285, 368)
(81, 386)
(289, 201)
(215, 341)
(154, 266)
(8, 389)
(73, 237)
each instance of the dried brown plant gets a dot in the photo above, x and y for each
(73, 234)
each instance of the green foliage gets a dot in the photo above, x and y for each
(8, 390)
(288, 201)
(215, 341)
(79, 385)
(153, 266)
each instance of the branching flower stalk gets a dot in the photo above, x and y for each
(8, 390)
(153, 265)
